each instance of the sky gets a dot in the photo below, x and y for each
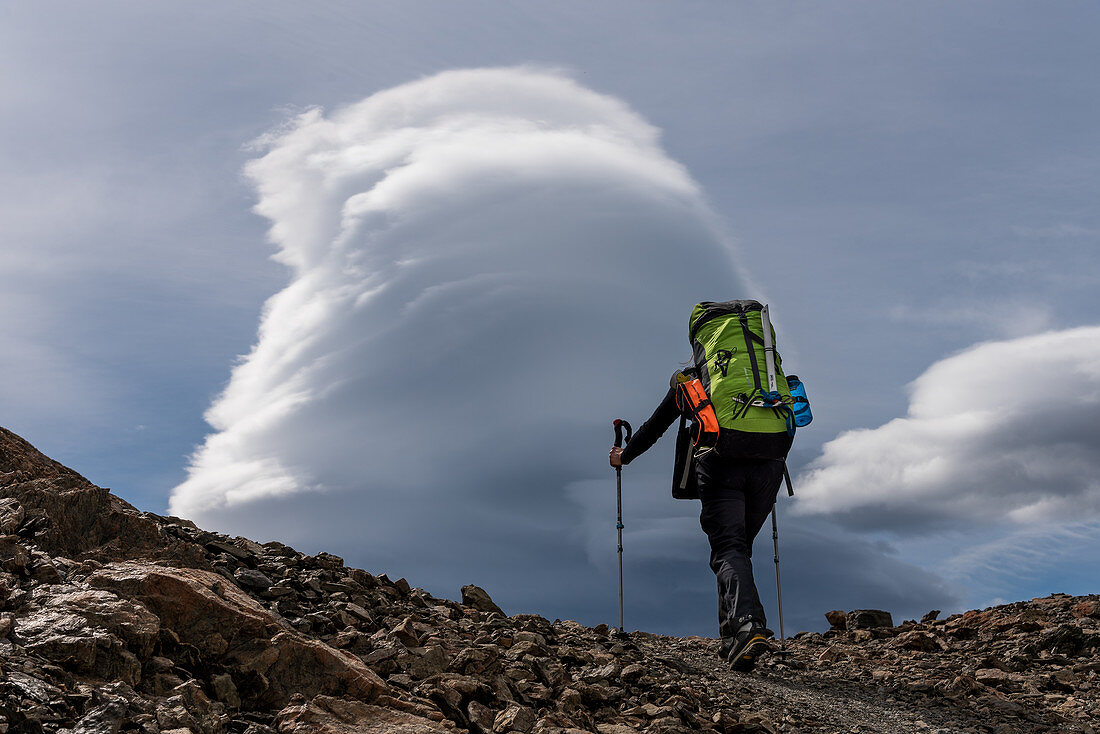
(374, 278)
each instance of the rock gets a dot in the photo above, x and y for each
(917, 640)
(514, 718)
(406, 633)
(325, 715)
(11, 515)
(868, 618)
(194, 604)
(930, 617)
(1087, 608)
(225, 690)
(359, 613)
(230, 549)
(90, 632)
(837, 619)
(105, 719)
(13, 556)
(293, 665)
(429, 661)
(478, 598)
(251, 579)
(481, 717)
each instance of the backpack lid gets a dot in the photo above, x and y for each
(707, 310)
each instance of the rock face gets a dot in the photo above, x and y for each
(113, 620)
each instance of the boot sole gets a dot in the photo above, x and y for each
(747, 657)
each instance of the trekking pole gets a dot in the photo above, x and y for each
(778, 592)
(769, 360)
(619, 425)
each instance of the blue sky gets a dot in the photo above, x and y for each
(901, 181)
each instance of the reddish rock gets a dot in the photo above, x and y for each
(206, 610)
(294, 664)
(194, 604)
(838, 619)
(917, 640)
(1087, 608)
(325, 715)
(478, 598)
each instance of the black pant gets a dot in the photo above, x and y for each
(737, 496)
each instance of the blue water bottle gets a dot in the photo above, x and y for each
(801, 406)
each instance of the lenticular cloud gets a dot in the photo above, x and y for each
(1004, 431)
(486, 267)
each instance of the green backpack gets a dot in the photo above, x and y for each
(728, 349)
(727, 346)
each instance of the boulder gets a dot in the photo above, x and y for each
(838, 620)
(868, 618)
(327, 715)
(194, 604)
(92, 632)
(249, 578)
(479, 599)
(203, 609)
(293, 664)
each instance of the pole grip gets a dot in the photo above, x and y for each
(620, 424)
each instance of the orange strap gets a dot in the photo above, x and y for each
(692, 398)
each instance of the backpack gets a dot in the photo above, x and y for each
(731, 390)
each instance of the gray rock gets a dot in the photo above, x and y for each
(252, 579)
(105, 719)
(869, 618)
(226, 691)
(219, 546)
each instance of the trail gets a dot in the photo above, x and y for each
(781, 696)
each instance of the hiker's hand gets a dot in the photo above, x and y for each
(616, 456)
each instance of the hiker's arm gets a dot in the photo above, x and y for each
(666, 414)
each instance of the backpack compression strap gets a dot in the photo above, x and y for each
(749, 339)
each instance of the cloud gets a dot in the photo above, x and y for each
(1000, 318)
(1027, 554)
(487, 266)
(1003, 432)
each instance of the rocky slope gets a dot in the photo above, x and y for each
(115, 620)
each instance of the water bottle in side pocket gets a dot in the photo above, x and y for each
(801, 406)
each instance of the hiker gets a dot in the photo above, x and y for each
(738, 476)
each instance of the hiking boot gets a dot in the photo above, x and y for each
(748, 647)
(725, 646)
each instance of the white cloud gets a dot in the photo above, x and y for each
(1004, 431)
(488, 266)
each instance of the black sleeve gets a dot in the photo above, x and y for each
(664, 416)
